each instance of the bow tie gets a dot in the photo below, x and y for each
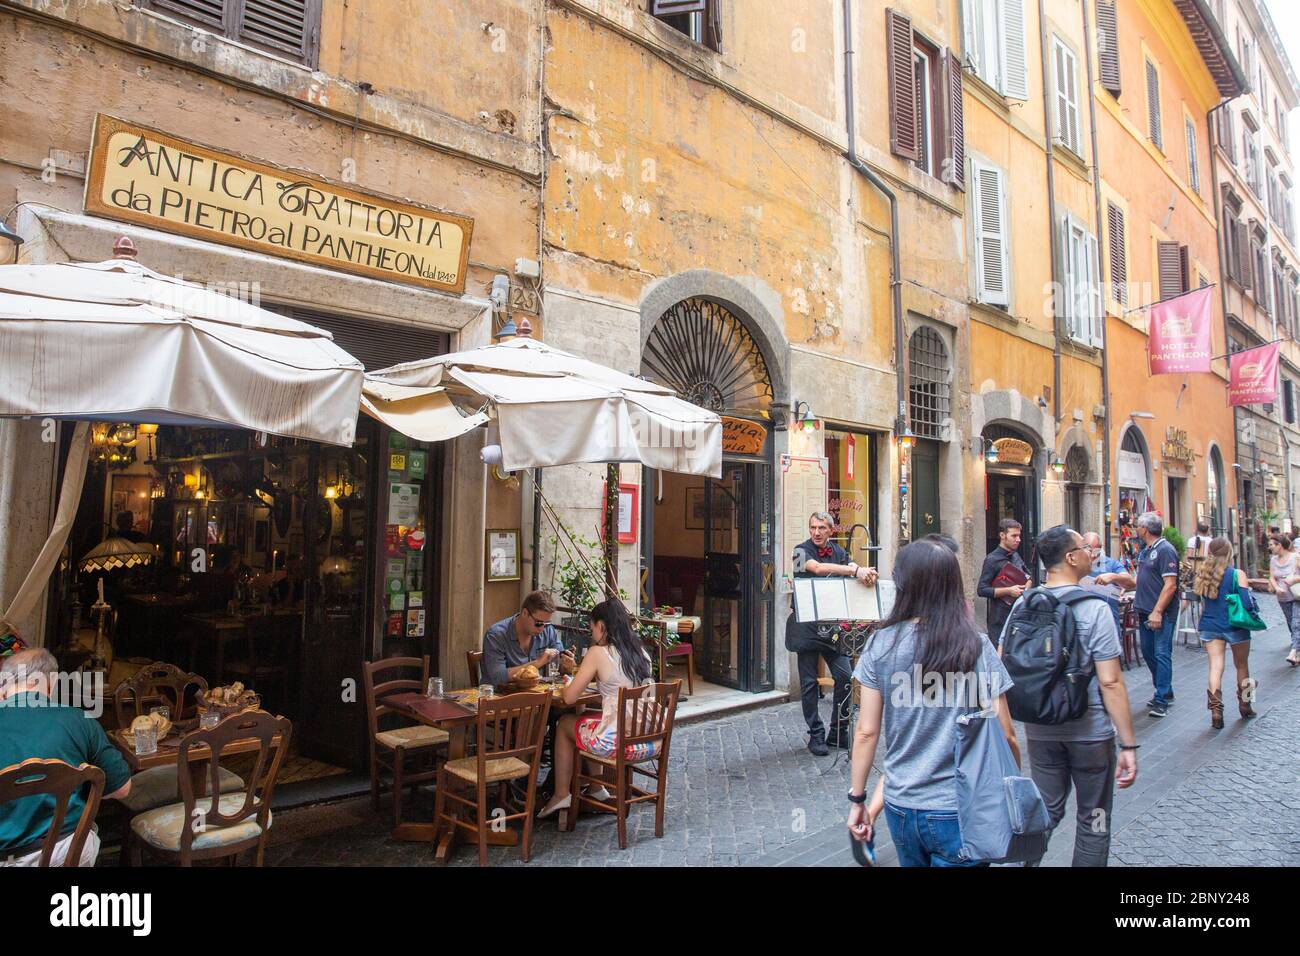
(825, 552)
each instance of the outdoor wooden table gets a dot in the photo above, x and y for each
(169, 752)
(450, 714)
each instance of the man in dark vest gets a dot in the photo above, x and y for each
(994, 585)
(821, 557)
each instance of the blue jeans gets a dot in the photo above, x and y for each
(1158, 650)
(926, 837)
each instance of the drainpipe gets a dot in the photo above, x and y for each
(1105, 356)
(1055, 253)
(896, 275)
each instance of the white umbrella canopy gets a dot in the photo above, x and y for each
(554, 408)
(116, 341)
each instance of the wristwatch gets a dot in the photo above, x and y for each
(859, 798)
(1129, 746)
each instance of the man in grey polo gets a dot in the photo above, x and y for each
(1081, 752)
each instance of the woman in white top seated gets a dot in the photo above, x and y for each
(616, 658)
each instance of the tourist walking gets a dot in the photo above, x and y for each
(1284, 571)
(1216, 579)
(931, 630)
(1156, 603)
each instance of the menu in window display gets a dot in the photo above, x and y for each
(417, 464)
(395, 575)
(415, 623)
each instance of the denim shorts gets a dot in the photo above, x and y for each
(1233, 636)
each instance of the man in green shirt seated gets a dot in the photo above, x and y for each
(32, 724)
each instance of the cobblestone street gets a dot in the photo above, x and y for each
(743, 790)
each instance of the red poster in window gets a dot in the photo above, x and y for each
(628, 498)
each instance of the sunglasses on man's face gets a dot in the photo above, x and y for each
(537, 625)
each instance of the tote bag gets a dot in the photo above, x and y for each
(1002, 816)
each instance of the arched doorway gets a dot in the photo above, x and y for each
(1214, 491)
(1011, 483)
(708, 546)
(1133, 478)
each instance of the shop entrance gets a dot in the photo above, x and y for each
(279, 563)
(708, 542)
(712, 542)
(1010, 488)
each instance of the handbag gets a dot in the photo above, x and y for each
(1000, 812)
(1243, 615)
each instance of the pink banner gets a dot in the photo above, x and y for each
(1253, 376)
(1178, 334)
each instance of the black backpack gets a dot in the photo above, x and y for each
(1044, 656)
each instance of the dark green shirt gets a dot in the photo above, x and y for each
(32, 726)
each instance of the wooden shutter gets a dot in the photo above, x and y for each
(210, 13)
(1153, 106)
(972, 12)
(671, 8)
(1244, 267)
(1108, 46)
(989, 206)
(1193, 160)
(713, 25)
(1229, 138)
(1067, 95)
(1118, 253)
(291, 26)
(954, 158)
(1015, 58)
(904, 128)
(1096, 311)
(1169, 269)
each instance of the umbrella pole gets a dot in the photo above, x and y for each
(611, 529)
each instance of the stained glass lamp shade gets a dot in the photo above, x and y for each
(116, 552)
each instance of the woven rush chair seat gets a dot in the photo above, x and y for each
(158, 786)
(507, 768)
(161, 827)
(413, 737)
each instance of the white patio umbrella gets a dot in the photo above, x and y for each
(115, 341)
(550, 407)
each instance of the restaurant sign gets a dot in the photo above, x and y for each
(742, 437)
(142, 176)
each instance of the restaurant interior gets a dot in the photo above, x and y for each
(279, 563)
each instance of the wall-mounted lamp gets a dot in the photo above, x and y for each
(905, 437)
(806, 418)
(985, 448)
(1057, 465)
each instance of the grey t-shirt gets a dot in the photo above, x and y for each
(919, 723)
(1095, 626)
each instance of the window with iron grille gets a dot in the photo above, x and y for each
(288, 27)
(928, 378)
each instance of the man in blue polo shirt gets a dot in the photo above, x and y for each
(32, 724)
(1156, 603)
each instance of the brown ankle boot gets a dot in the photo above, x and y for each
(1215, 706)
(1243, 704)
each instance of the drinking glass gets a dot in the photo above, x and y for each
(435, 687)
(146, 741)
(485, 691)
(553, 669)
(164, 710)
(209, 719)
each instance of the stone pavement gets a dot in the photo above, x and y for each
(744, 790)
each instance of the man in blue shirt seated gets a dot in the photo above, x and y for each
(32, 724)
(522, 639)
(1108, 570)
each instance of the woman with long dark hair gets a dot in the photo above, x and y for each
(1217, 578)
(616, 658)
(927, 665)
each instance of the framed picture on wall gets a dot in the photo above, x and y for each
(502, 553)
(130, 493)
(695, 509)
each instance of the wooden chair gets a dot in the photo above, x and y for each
(645, 718)
(156, 684)
(510, 732)
(474, 661)
(218, 824)
(390, 748)
(662, 653)
(54, 778)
